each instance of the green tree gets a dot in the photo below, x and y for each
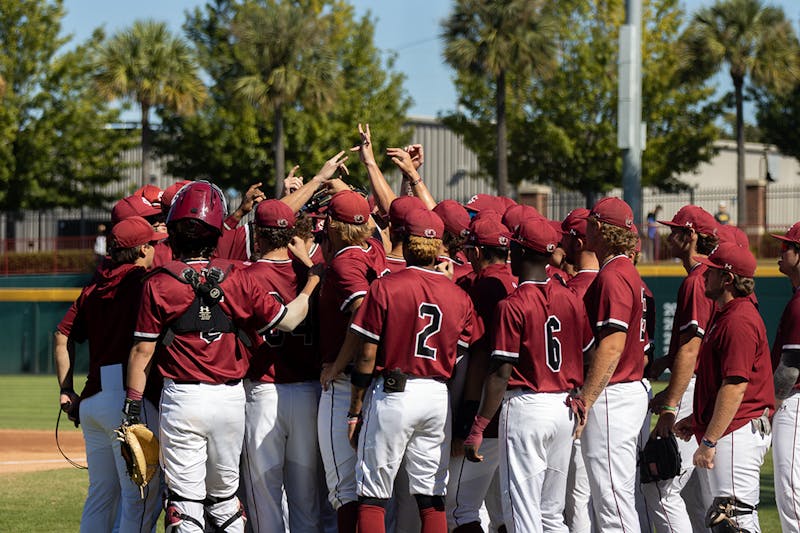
(149, 66)
(55, 148)
(752, 40)
(492, 38)
(778, 118)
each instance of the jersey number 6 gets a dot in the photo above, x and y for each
(552, 326)
(434, 316)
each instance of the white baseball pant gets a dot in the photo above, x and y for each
(578, 512)
(535, 443)
(786, 458)
(609, 443)
(471, 484)
(201, 433)
(280, 451)
(338, 456)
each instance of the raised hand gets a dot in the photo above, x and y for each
(417, 155)
(331, 166)
(402, 159)
(365, 148)
(292, 183)
(253, 195)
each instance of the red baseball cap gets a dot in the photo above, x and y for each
(274, 214)
(728, 233)
(693, 217)
(614, 211)
(517, 213)
(730, 257)
(400, 207)
(792, 234)
(134, 231)
(349, 207)
(132, 206)
(538, 235)
(454, 216)
(169, 193)
(423, 223)
(488, 231)
(556, 225)
(479, 202)
(151, 193)
(575, 222)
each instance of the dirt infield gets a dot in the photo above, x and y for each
(32, 450)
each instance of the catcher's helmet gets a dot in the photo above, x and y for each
(201, 201)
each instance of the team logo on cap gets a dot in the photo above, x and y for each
(551, 247)
(465, 232)
(282, 222)
(728, 266)
(473, 199)
(430, 233)
(629, 222)
(359, 219)
(503, 240)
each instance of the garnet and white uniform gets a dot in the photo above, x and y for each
(105, 315)
(541, 329)
(668, 508)
(202, 415)
(609, 441)
(735, 345)
(418, 318)
(786, 434)
(470, 482)
(395, 264)
(235, 243)
(282, 394)
(347, 278)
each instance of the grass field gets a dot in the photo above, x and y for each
(51, 501)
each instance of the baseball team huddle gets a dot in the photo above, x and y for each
(352, 360)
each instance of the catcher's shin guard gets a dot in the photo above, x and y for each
(228, 509)
(721, 516)
(175, 514)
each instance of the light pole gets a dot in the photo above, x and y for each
(630, 134)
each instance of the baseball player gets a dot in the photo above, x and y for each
(786, 361)
(692, 233)
(734, 393)
(282, 393)
(540, 334)
(197, 309)
(456, 229)
(408, 412)
(615, 398)
(469, 486)
(354, 261)
(105, 315)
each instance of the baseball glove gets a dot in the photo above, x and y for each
(139, 448)
(660, 459)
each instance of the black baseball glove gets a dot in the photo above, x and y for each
(660, 459)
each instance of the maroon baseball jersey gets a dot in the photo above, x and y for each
(787, 338)
(649, 313)
(198, 356)
(395, 264)
(616, 299)
(491, 285)
(463, 274)
(280, 356)
(162, 254)
(580, 282)
(418, 318)
(347, 278)
(542, 330)
(693, 309)
(65, 326)
(735, 345)
(105, 315)
(552, 271)
(314, 253)
(236, 244)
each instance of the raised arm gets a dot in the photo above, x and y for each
(384, 195)
(298, 198)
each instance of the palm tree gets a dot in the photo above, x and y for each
(284, 52)
(751, 39)
(150, 66)
(489, 38)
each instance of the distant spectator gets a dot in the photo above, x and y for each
(722, 216)
(652, 232)
(100, 243)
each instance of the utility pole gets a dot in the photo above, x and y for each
(630, 133)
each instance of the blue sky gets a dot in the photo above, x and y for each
(410, 28)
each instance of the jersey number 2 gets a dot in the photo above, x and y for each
(551, 327)
(434, 316)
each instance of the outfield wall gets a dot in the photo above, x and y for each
(32, 306)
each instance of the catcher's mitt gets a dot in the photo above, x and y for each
(139, 448)
(660, 459)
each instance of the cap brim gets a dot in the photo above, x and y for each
(670, 223)
(705, 261)
(784, 238)
(158, 236)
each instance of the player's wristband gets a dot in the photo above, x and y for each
(360, 380)
(669, 409)
(708, 443)
(352, 419)
(415, 182)
(67, 390)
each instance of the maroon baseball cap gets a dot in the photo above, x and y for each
(134, 231)
(488, 231)
(349, 207)
(792, 234)
(516, 214)
(728, 233)
(151, 193)
(730, 257)
(132, 206)
(454, 216)
(538, 235)
(169, 193)
(479, 202)
(400, 207)
(274, 214)
(423, 223)
(693, 217)
(614, 211)
(575, 222)
(556, 225)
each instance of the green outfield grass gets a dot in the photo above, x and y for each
(52, 501)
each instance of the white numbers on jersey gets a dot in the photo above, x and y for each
(643, 323)
(552, 344)
(275, 337)
(434, 316)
